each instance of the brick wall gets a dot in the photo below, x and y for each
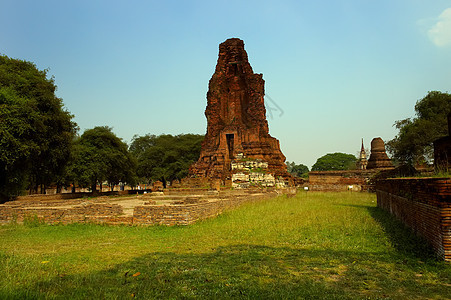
(68, 196)
(91, 212)
(424, 205)
(339, 180)
(52, 196)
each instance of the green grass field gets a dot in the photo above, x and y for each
(316, 245)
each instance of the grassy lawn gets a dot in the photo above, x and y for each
(316, 245)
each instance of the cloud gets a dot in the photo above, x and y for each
(440, 33)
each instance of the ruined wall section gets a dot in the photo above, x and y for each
(184, 211)
(424, 205)
(340, 180)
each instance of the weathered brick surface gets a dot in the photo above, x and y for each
(68, 196)
(378, 158)
(236, 118)
(98, 213)
(175, 210)
(185, 214)
(339, 180)
(423, 204)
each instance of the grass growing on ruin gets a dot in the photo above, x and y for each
(316, 245)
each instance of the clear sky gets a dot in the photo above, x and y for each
(335, 71)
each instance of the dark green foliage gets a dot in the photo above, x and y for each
(334, 162)
(35, 129)
(165, 157)
(414, 142)
(99, 155)
(297, 170)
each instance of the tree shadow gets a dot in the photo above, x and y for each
(408, 244)
(238, 271)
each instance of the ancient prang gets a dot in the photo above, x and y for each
(378, 157)
(237, 129)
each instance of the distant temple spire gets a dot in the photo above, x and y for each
(363, 162)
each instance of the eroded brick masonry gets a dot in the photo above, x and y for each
(424, 205)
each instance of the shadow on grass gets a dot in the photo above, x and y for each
(406, 242)
(238, 271)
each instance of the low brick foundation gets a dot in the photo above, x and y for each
(56, 214)
(163, 210)
(184, 214)
(424, 205)
(67, 196)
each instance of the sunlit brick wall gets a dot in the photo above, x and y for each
(424, 205)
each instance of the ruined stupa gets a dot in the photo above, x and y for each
(236, 118)
(378, 157)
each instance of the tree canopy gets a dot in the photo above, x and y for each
(297, 170)
(414, 142)
(99, 155)
(35, 130)
(165, 157)
(334, 162)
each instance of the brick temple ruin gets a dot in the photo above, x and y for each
(424, 204)
(356, 180)
(378, 158)
(237, 152)
(157, 208)
(238, 149)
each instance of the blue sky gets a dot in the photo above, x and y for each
(335, 71)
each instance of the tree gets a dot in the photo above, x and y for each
(165, 157)
(99, 155)
(334, 162)
(414, 142)
(297, 170)
(35, 129)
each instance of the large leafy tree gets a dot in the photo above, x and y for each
(35, 130)
(99, 155)
(334, 162)
(165, 157)
(414, 142)
(297, 170)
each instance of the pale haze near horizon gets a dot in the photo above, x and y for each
(335, 71)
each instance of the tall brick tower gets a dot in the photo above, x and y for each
(236, 118)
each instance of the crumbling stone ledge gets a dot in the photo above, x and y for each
(162, 210)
